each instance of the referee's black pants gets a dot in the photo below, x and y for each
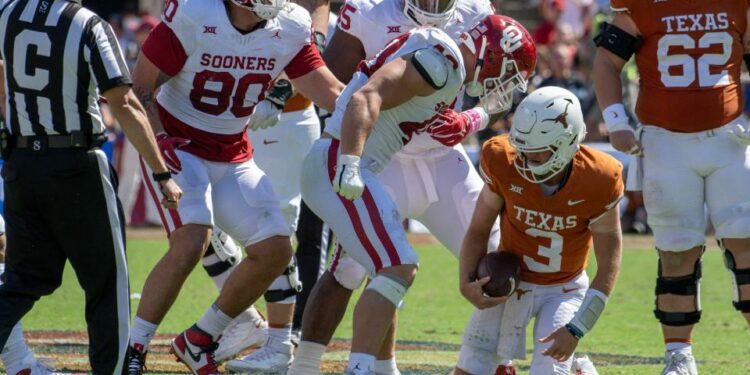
(312, 251)
(60, 204)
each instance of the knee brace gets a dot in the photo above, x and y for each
(226, 250)
(688, 285)
(739, 277)
(286, 286)
(392, 287)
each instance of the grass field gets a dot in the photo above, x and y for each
(626, 341)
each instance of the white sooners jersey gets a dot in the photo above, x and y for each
(395, 127)
(226, 72)
(375, 22)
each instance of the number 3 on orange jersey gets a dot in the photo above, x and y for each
(553, 252)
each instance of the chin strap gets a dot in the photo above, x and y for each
(474, 88)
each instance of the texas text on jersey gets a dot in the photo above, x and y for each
(219, 74)
(551, 233)
(690, 58)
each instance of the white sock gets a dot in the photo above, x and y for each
(2, 269)
(221, 278)
(386, 367)
(142, 333)
(15, 349)
(307, 359)
(360, 363)
(679, 346)
(280, 336)
(214, 321)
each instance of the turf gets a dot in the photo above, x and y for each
(626, 341)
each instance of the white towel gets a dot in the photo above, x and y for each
(634, 180)
(516, 316)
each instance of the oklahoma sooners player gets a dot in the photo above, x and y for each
(689, 56)
(428, 181)
(212, 62)
(406, 89)
(554, 197)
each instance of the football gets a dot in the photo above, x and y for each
(504, 270)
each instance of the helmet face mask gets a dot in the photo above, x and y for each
(265, 9)
(548, 120)
(436, 13)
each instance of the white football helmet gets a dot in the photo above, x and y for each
(549, 119)
(435, 13)
(265, 9)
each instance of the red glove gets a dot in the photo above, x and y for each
(450, 128)
(167, 147)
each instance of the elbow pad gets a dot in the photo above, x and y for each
(618, 41)
(432, 66)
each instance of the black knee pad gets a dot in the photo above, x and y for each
(292, 287)
(739, 277)
(688, 285)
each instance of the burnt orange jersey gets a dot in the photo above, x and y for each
(551, 234)
(690, 61)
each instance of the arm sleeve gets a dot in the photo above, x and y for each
(306, 60)
(107, 62)
(164, 49)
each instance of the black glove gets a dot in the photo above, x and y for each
(280, 93)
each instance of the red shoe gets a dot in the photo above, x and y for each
(505, 370)
(195, 349)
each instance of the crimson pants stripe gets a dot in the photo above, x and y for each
(351, 209)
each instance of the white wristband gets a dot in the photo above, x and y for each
(615, 118)
(590, 311)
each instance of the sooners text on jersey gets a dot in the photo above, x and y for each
(219, 74)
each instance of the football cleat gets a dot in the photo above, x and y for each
(136, 360)
(505, 370)
(265, 360)
(583, 366)
(679, 363)
(195, 348)
(249, 329)
(32, 366)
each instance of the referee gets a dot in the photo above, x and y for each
(60, 190)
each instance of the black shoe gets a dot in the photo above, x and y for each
(135, 363)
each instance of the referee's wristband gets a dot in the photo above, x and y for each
(163, 176)
(577, 333)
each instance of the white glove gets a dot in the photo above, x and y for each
(265, 115)
(740, 135)
(348, 183)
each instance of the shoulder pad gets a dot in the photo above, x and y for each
(432, 66)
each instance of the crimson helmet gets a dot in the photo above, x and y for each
(506, 58)
(265, 9)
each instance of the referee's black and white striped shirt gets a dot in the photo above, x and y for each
(57, 53)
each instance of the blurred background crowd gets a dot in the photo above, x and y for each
(563, 31)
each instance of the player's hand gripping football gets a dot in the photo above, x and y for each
(472, 291)
(741, 135)
(167, 146)
(563, 344)
(267, 113)
(348, 182)
(624, 141)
